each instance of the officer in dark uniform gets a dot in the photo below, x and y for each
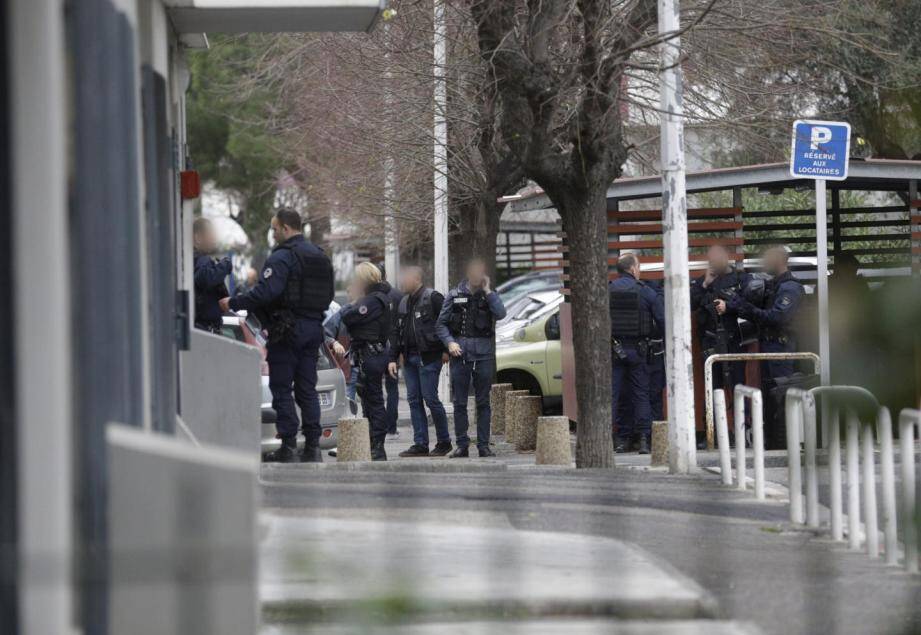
(773, 313)
(391, 384)
(294, 290)
(423, 354)
(208, 276)
(635, 311)
(656, 358)
(368, 322)
(467, 328)
(719, 332)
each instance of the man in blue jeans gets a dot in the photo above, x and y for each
(414, 339)
(467, 327)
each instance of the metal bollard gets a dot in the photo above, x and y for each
(722, 435)
(909, 420)
(887, 471)
(852, 465)
(740, 394)
(808, 420)
(794, 470)
(869, 491)
(834, 475)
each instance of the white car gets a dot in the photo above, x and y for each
(526, 311)
(330, 385)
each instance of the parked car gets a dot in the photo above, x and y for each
(330, 384)
(526, 310)
(532, 360)
(513, 290)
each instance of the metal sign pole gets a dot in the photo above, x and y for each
(821, 240)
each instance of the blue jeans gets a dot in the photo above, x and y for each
(422, 386)
(462, 372)
(393, 402)
(630, 381)
(350, 386)
(295, 366)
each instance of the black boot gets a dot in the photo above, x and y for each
(644, 445)
(442, 448)
(461, 453)
(377, 451)
(286, 453)
(485, 452)
(415, 450)
(311, 454)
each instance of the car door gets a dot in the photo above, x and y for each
(554, 358)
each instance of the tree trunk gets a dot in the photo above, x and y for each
(478, 225)
(585, 223)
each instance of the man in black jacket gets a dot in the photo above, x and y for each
(209, 277)
(424, 355)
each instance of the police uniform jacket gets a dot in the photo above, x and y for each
(281, 265)
(489, 308)
(368, 319)
(414, 326)
(651, 302)
(782, 300)
(209, 288)
(723, 287)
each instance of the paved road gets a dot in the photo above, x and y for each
(739, 551)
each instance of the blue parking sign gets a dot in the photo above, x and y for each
(820, 149)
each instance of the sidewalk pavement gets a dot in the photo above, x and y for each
(370, 529)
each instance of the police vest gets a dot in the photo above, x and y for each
(629, 318)
(471, 317)
(772, 289)
(378, 331)
(423, 322)
(311, 288)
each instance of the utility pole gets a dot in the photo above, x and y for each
(441, 168)
(391, 236)
(682, 442)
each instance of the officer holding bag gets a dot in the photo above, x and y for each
(636, 310)
(294, 289)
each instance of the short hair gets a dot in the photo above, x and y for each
(368, 273)
(626, 263)
(289, 218)
(200, 225)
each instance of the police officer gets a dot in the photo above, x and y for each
(635, 311)
(294, 289)
(719, 332)
(414, 339)
(368, 322)
(209, 276)
(391, 383)
(656, 358)
(467, 327)
(773, 313)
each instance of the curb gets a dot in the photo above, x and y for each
(413, 465)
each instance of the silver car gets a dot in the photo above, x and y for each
(330, 385)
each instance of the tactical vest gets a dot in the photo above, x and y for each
(471, 317)
(378, 331)
(629, 319)
(424, 325)
(311, 288)
(776, 333)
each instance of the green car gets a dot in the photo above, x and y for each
(532, 360)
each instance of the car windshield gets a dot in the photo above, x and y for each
(522, 288)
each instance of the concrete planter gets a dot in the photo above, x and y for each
(497, 406)
(354, 440)
(553, 446)
(527, 410)
(510, 397)
(659, 443)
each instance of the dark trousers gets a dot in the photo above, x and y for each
(372, 369)
(656, 386)
(422, 387)
(392, 387)
(630, 382)
(293, 378)
(736, 369)
(481, 373)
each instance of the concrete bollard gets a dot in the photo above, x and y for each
(497, 406)
(354, 440)
(659, 444)
(509, 414)
(553, 446)
(527, 410)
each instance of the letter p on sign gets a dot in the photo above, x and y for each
(818, 136)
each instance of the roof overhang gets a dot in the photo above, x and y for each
(863, 174)
(273, 16)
